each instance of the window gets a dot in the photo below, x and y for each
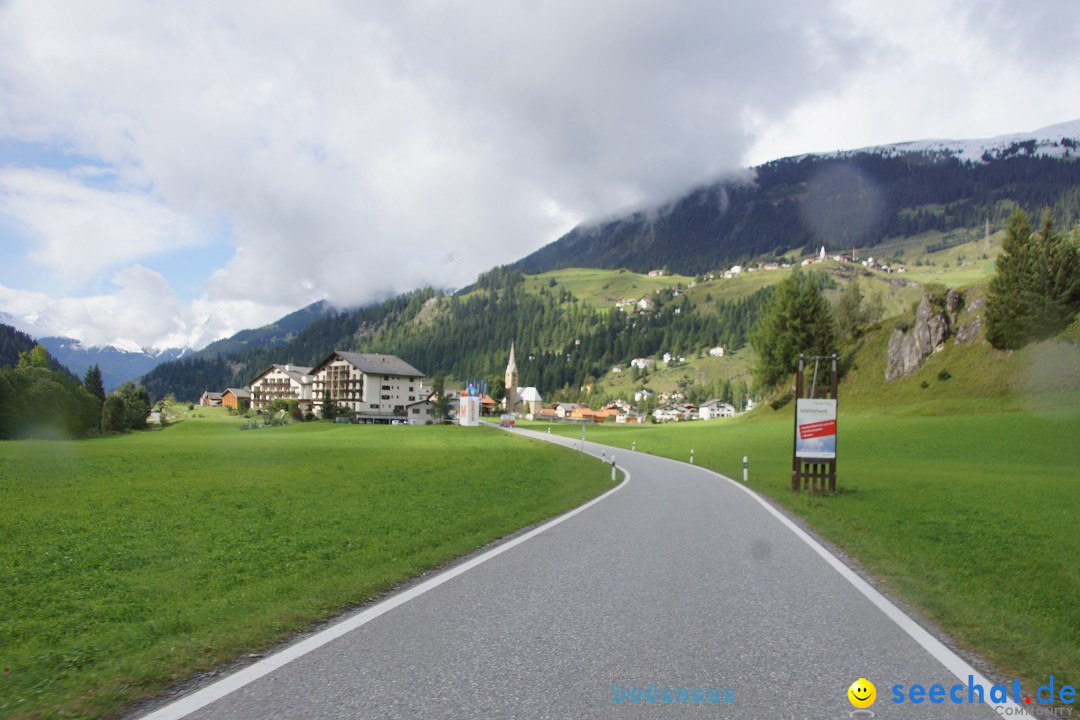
(385, 397)
(416, 411)
(374, 406)
(412, 397)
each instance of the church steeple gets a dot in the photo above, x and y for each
(511, 381)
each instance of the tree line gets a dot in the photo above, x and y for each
(37, 401)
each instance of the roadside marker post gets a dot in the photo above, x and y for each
(691, 456)
(745, 469)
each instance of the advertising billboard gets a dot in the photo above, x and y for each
(815, 429)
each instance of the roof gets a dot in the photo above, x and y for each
(373, 364)
(212, 395)
(295, 372)
(238, 392)
(529, 394)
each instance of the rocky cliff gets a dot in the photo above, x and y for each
(938, 317)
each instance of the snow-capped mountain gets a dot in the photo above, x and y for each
(843, 199)
(118, 363)
(1056, 141)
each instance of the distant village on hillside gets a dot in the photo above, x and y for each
(384, 389)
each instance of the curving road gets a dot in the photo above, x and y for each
(678, 578)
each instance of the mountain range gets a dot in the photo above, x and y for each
(840, 200)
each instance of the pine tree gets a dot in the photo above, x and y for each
(329, 410)
(850, 315)
(1036, 290)
(440, 404)
(93, 383)
(796, 320)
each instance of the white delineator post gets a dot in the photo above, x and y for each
(745, 469)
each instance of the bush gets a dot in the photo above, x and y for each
(944, 375)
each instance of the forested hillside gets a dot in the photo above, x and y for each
(561, 342)
(801, 203)
(13, 342)
(276, 333)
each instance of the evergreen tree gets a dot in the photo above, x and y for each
(329, 410)
(850, 316)
(440, 404)
(93, 383)
(796, 320)
(1036, 290)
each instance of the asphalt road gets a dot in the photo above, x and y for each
(677, 579)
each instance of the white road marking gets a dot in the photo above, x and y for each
(211, 693)
(952, 662)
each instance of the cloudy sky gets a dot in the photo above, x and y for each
(171, 172)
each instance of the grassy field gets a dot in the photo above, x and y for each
(127, 563)
(970, 517)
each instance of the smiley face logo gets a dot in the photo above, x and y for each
(862, 693)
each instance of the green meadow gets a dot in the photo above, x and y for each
(970, 517)
(129, 563)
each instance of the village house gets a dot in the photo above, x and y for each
(282, 382)
(547, 414)
(584, 414)
(715, 409)
(641, 363)
(374, 388)
(565, 410)
(210, 399)
(236, 398)
(643, 394)
(672, 413)
(420, 412)
(716, 351)
(529, 400)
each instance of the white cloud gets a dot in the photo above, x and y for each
(80, 230)
(351, 149)
(142, 310)
(949, 70)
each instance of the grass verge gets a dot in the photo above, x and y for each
(969, 517)
(128, 563)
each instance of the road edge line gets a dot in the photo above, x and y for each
(182, 707)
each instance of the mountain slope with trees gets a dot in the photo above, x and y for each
(563, 343)
(855, 200)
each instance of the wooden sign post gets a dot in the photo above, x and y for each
(813, 454)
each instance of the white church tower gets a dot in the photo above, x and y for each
(511, 381)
